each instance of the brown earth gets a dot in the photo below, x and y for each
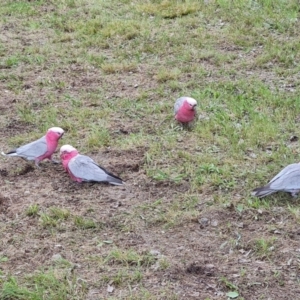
(217, 244)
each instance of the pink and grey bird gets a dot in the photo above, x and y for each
(40, 149)
(185, 109)
(82, 168)
(287, 180)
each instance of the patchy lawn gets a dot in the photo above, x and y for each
(185, 225)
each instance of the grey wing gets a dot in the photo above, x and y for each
(178, 104)
(32, 150)
(287, 179)
(85, 168)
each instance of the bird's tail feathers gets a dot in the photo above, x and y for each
(112, 179)
(262, 192)
(10, 153)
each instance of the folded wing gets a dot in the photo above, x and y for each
(85, 168)
(32, 150)
(287, 179)
(178, 104)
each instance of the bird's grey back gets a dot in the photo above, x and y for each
(178, 104)
(86, 168)
(33, 150)
(288, 178)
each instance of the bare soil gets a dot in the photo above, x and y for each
(217, 244)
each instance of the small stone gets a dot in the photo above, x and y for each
(26, 193)
(214, 223)
(110, 288)
(209, 266)
(56, 257)
(252, 155)
(204, 221)
(155, 252)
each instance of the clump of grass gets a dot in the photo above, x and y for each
(264, 246)
(111, 68)
(32, 210)
(295, 212)
(47, 220)
(84, 223)
(129, 258)
(170, 9)
(164, 75)
(124, 276)
(59, 213)
(53, 217)
(122, 29)
(98, 137)
(52, 284)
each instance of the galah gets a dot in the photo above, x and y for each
(287, 180)
(40, 149)
(185, 109)
(82, 168)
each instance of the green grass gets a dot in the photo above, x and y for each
(48, 285)
(108, 72)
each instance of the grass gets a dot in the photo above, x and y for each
(49, 284)
(109, 73)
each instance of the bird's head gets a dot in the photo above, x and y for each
(55, 132)
(191, 103)
(66, 149)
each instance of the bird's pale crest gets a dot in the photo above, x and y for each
(56, 129)
(66, 148)
(191, 101)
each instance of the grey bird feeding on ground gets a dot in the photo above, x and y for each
(287, 180)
